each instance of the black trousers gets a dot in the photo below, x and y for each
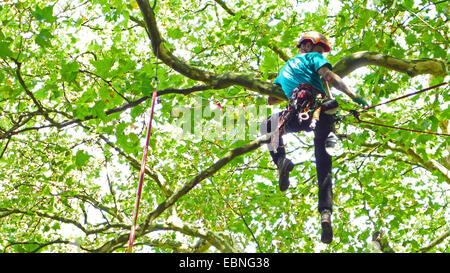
(324, 126)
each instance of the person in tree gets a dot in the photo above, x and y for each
(309, 109)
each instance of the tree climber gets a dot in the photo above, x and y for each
(309, 109)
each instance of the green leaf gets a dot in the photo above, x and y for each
(69, 71)
(5, 50)
(81, 158)
(45, 14)
(56, 226)
(99, 109)
(408, 4)
(81, 111)
(41, 93)
(43, 38)
(103, 66)
(175, 33)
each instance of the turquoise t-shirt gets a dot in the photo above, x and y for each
(302, 69)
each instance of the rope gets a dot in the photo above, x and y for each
(356, 113)
(405, 96)
(141, 174)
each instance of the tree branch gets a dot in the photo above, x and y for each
(430, 165)
(40, 245)
(216, 81)
(437, 241)
(410, 67)
(137, 165)
(228, 157)
(220, 81)
(41, 109)
(221, 240)
(184, 91)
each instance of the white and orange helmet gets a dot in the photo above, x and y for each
(316, 38)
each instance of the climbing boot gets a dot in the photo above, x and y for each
(285, 166)
(327, 232)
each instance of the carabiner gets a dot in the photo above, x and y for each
(304, 116)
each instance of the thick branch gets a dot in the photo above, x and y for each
(162, 52)
(222, 241)
(381, 242)
(216, 81)
(230, 155)
(220, 81)
(146, 226)
(39, 246)
(411, 67)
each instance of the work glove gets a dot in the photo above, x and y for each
(360, 100)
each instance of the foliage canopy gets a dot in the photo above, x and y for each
(75, 89)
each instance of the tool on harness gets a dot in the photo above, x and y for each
(300, 104)
(306, 104)
(315, 117)
(304, 115)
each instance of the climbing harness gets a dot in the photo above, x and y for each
(307, 103)
(356, 113)
(143, 163)
(304, 105)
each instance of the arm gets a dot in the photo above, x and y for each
(339, 84)
(335, 81)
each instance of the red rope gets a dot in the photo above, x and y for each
(356, 113)
(141, 175)
(407, 95)
(404, 129)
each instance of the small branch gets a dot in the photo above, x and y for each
(132, 104)
(6, 146)
(240, 215)
(41, 110)
(107, 82)
(137, 165)
(437, 241)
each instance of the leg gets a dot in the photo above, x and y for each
(323, 167)
(276, 147)
(323, 161)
